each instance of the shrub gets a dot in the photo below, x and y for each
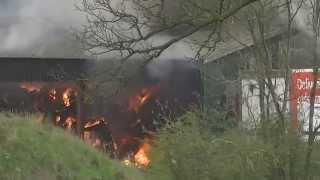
(187, 150)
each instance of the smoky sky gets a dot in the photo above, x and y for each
(39, 28)
(43, 28)
(8, 6)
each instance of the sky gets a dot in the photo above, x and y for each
(38, 27)
(42, 28)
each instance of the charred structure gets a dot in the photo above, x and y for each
(123, 129)
(47, 86)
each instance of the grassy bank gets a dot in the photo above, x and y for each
(32, 151)
(185, 150)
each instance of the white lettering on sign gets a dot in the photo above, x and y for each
(305, 84)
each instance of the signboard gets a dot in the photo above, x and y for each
(302, 81)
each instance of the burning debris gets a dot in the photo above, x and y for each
(96, 133)
(66, 96)
(69, 123)
(58, 102)
(52, 94)
(123, 130)
(31, 87)
(138, 100)
(141, 158)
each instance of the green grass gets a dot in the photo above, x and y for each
(184, 150)
(33, 151)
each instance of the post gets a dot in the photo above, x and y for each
(80, 103)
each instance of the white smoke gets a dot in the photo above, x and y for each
(303, 17)
(42, 28)
(179, 50)
(37, 27)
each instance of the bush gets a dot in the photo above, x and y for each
(187, 150)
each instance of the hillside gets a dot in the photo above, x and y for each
(32, 151)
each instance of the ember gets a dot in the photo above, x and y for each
(31, 87)
(69, 122)
(66, 97)
(137, 101)
(96, 133)
(94, 123)
(52, 94)
(141, 158)
(58, 118)
(127, 162)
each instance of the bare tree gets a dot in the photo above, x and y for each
(128, 28)
(314, 19)
(259, 20)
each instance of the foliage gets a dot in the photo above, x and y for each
(188, 150)
(217, 121)
(31, 151)
(185, 149)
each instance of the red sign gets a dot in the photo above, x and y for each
(301, 86)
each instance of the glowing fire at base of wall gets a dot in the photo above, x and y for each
(136, 112)
(141, 158)
(59, 101)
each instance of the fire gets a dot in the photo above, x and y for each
(126, 162)
(31, 87)
(52, 94)
(69, 122)
(137, 101)
(91, 137)
(95, 131)
(141, 158)
(66, 97)
(58, 118)
(91, 124)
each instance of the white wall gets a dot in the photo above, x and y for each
(250, 100)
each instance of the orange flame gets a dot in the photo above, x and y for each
(69, 122)
(141, 158)
(31, 87)
(66, 97)
(137, 101)
(52, 94)
(91, 124)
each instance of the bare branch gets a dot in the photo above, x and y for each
(115, 27)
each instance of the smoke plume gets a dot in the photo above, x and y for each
(42, 28)
(38, 28)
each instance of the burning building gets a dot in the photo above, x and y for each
(124, 129)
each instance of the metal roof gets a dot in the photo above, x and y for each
(234, 45)
(19, 69)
